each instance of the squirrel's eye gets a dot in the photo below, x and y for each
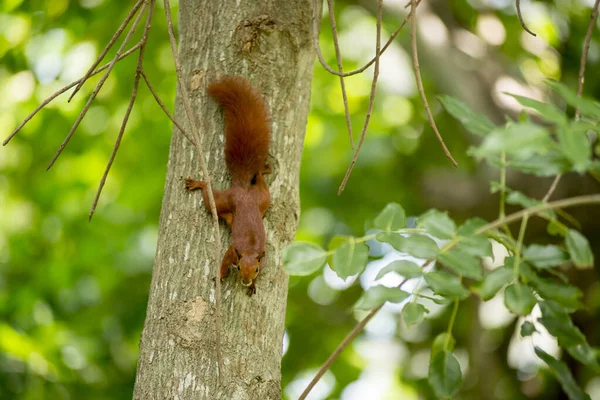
(256, 270)
(238, 267)
(253, 181)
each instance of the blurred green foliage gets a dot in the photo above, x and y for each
(73, 295)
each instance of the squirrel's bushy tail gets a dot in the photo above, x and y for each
(247, 133)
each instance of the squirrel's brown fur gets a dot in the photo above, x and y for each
(247, 139)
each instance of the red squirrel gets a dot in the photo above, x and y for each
(243, 205)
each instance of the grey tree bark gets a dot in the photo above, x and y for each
(269, 42)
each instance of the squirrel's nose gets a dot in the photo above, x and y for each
(246, 283)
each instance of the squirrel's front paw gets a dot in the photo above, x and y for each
(191, 184)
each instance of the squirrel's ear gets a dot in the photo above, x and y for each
(237, 253)
(260, 256)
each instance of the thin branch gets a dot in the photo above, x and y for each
(371, 98)
(136, 84)
(368, 64)
(574, 201)
(341, 347)
(61, 91)
(502, 213)
(552, 188)
(196, 135)
(107, 47)
(451, 323)
(584, 54)
(520, 238)
(98, 87)
(338, 56)
(162, 106)
(415, 56)
(565, 203)
(521, 19)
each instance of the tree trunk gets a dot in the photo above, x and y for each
(269, 42)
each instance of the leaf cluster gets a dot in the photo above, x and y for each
(448, 258)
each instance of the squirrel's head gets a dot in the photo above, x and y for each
(249, 264)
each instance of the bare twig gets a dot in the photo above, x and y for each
(368, 64)
(98, 87)
(552, 188)
(162, 106)
(338, 56)
(342, 346)
(107, 47)
(371, 98)
(336, 353)
(415, 57)
(61, 91)
(196, 135)
(565, 203)
(584, 54)
(136, 84)
(521, 19)
(574, 201)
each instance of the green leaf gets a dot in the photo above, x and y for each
(394, 239)
(519, 299)
(547, 111)
(442, 301)
(302, 258)
(566, 295)
(407, 269)
(471, 242)
(520, 140)
(392, 218)
(437, 224)
(544, 256)
(416, 245)
(549, 289)
(475, 123)
(350, 257)
(462, 263)
(443, 341)
(445, 376)
(470, 226)
(585, 354)
(527, 329)
(377, 295)
(584, 126)
(494, 281)
(446, 284)
(476, 245)
(519, 199)
(576, 146)
(558, 323)
(551, 163)
(413, 313)
(587, 106)
(579, 249)
(563, 375)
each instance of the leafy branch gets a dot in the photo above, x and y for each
(528, 276)
(304, 258)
